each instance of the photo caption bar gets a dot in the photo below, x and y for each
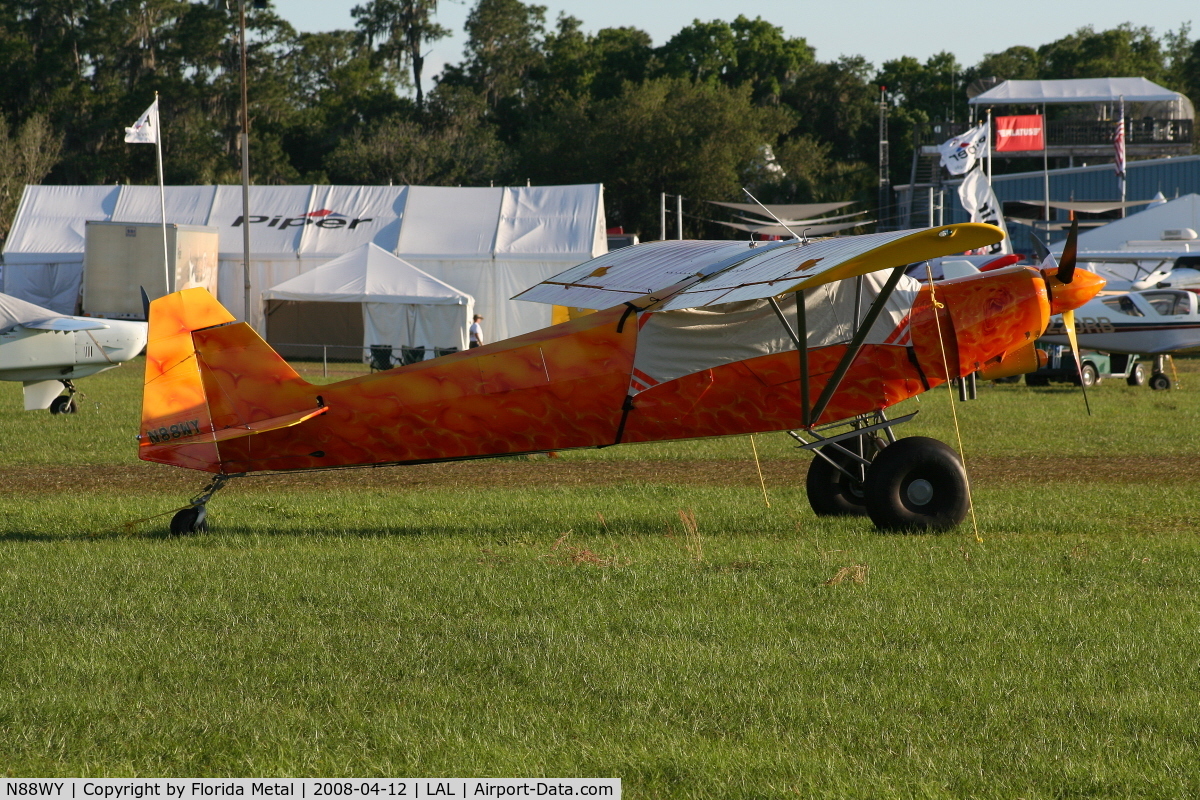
(310, 788)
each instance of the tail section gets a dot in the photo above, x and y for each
(210, 379)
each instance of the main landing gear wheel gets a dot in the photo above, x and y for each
(63, 404)
(831, 492)
(189, 520)
(1159, 382)
(917, 484)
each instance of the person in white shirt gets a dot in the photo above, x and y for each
(476, 332)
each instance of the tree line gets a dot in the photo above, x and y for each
(719, 106)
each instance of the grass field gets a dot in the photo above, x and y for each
(635, 612)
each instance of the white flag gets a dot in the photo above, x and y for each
(979, 201)
(145, 130)
(960, 153)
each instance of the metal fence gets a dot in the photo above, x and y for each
(325, 360)
(1081, 133)
(344, 361)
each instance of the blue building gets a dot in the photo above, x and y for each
(1020, 194)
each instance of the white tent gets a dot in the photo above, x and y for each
(1145, 230)
(488, 242)
(400, 304)
(1086, 90)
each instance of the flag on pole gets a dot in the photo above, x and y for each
(145, 130)
(959, 153)
(1119, 140)
(980, 202)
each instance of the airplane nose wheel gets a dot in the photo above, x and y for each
(916, 484)
(65, 403)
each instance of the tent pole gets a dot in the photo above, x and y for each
(989, 145)
(245, 172)
(162, 196)
(662, 216)
(679, 214)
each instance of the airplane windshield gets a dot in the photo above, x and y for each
(1123, 305)
(1168, 303)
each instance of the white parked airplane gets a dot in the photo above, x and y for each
(1135, 270)
(46, 351)
(1156, 322)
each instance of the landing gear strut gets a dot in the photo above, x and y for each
(194, 517)
(1158, 376)
(911, 484)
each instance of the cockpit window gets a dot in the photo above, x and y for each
(1123, 305)
(1168, 303)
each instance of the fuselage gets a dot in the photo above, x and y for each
(1149, 322)
(29, 354)
(573, 385)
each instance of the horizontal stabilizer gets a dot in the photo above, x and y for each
(169, 437)
(691, 274)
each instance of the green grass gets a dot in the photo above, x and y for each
(352, 628)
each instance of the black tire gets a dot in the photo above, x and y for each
(63, 404)
(1089, 376)
(189, 520)
(1036, 380)
(832, 493)
(1159, 382)
(917, 484)
(1137, 375)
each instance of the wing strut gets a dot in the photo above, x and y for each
(856, 342)
(801, 348)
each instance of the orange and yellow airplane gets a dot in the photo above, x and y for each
(694, 339)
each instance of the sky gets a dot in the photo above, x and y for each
(879, 30)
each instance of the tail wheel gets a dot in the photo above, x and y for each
(831, 492)
(917, 484)
(189, 520)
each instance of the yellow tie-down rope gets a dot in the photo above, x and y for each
(953, 412)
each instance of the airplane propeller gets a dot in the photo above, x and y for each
(1066, 274)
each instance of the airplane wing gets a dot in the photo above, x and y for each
(700, 273)
(771, 229)
(760, 220)
(65, 324)
(633, 272)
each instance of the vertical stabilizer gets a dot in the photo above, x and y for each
(211, 380)
(174, 405)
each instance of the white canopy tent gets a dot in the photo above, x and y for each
(1145, 231)
(1086, 90)
(400, 305)
(488, 242)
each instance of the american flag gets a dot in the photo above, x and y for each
(1119, 141)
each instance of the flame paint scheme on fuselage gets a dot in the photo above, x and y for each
(567, 386)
